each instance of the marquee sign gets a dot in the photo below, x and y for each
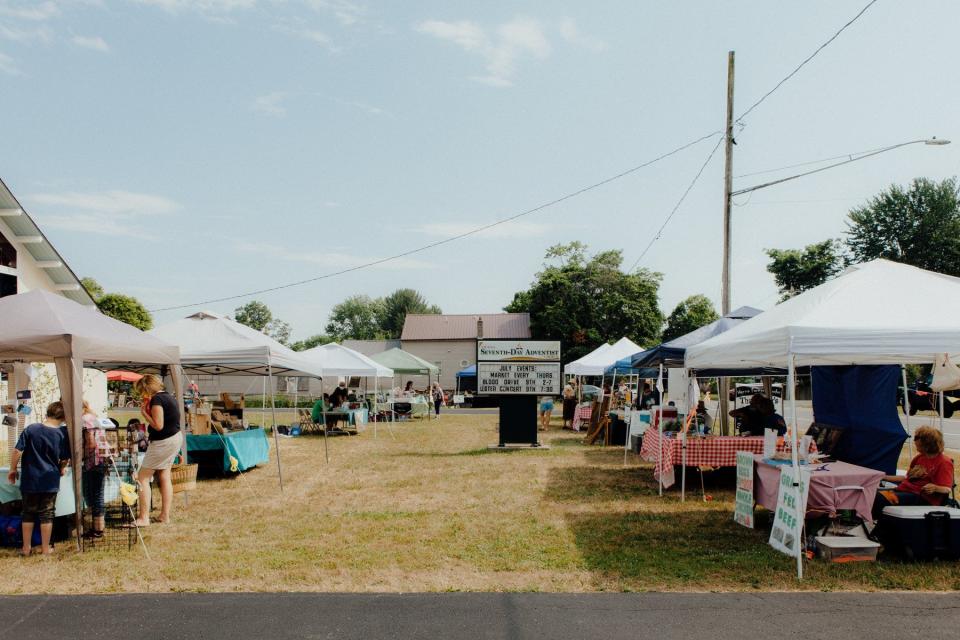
(518, 367)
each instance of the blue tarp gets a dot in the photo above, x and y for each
(469, 372)
(861, 400)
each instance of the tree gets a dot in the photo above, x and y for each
(396, 306)
(918, 225)
(796, 270)
(93, 288)
(584, 301)
(257, 315)
(125, 309)
(689, 315)
(311, 342)
(357, 318)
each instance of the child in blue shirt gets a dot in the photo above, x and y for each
(43, 449)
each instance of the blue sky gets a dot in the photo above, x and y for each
(180, 151)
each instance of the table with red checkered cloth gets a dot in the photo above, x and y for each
(714, 451)
(582, 414)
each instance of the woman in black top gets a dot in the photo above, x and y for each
(161, 413)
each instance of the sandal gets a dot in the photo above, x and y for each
(92, 535)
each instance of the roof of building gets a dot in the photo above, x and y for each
(439, 326)
(27, 234)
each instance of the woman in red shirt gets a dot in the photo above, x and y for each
(929, 479)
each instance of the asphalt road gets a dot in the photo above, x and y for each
(809, 616)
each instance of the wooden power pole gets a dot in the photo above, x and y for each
(724, 387)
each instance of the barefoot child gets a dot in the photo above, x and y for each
(43, 448)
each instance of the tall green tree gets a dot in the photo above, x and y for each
(311, 342)
(93, 288)
(257, 315)
(357, 318)
(796, 270)
(395, 307)
(689, 315)
(125, 309)
(918, 225)
(585, 301)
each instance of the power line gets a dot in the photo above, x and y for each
(676, 207)
(808, 163)
(459, 236)
(808, 59)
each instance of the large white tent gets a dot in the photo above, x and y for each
(600, 359)
(216, 345)
(337, 360)
(879, 312)
(876, 313)
(39, 326)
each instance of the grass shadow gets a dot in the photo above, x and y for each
(599, 484)
(695, 547)
(452, 454)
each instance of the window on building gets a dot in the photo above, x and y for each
(8, 259)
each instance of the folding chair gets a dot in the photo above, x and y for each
(599, 422)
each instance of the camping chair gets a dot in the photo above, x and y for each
(305, 417)
(599, 422)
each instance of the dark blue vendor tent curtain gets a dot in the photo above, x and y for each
(861, 400)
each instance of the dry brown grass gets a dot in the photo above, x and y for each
(433, 510)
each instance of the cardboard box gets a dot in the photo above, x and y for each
(199, 424)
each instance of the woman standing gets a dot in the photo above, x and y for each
(437, 394)
(161, 412)
(96, 458)
(569, 405)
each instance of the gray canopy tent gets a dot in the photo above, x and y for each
(39, 326)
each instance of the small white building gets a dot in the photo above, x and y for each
(450, 340)
(28, 261)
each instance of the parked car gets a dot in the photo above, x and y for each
(923, 399)
(590, 392)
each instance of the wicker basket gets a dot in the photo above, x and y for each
(184, 477)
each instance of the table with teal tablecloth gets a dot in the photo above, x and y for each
(249, 447)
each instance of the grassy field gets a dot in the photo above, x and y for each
(432, 510)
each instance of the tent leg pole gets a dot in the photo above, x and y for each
(273, 412)
(795, 437)
(326, 452)
(941, 412)
(906, 409)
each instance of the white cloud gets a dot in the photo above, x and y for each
(501, 50)
(299, 29)
(8, 65)
(271, 104)
(515, 229)
(200, 6)
(369, 109)
(570, 32)
(347, 13)
(111, 213)
(37, 34)
(333, 260)
(36, 11)
(95, 43)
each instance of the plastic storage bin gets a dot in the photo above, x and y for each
(847, 549)
(922, 533)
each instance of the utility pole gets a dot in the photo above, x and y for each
(727, 188)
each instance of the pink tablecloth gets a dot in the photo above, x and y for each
(833, 486)
(713, 451)
(581, 415)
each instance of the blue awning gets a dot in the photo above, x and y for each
(469, 372)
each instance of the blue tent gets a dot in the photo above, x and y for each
(862, 401)
(670, 354)
(469, 372)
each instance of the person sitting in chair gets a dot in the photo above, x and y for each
(929, 479)
(758, 416)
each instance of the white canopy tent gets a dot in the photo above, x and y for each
(337, 360)
(213, 344)
(579, 366)
(879, 312)
(39, 326)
